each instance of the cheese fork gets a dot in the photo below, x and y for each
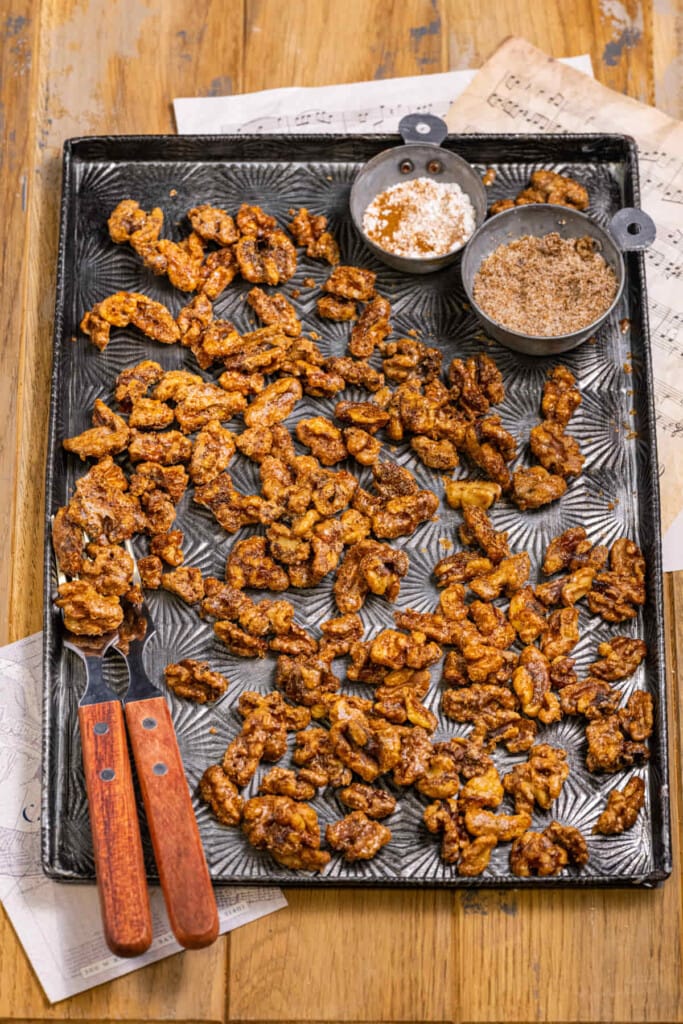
(119, 863)
(178, 850)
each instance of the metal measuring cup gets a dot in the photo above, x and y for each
(629, 230)
(421, 157)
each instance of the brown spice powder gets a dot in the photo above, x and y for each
(545, 287)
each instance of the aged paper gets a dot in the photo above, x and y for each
(59, 925)
(521, 89)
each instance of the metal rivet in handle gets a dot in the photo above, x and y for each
(633, 229)
(149, 723)
(422, 128)
(406, 166)
(107, 774)
(435, 167)
(100, 728)
(160, 768)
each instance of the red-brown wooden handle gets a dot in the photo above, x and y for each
(183, 872)
(119, 863)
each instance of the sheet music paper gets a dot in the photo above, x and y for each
(521, 89)
(358, 107)
(59, 925)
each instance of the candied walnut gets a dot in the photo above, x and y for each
(440, 778)
(539, 780)
(562, 672)
(186, 582)
(455, 670)
(589, 697)
(531, 683)
(108, 568)
(435, 454)
(134, 382)
(400, 704)
(445, 816)
(287, 829)
(332, 308)
(194, 680)
(470, 702)
(475, 385)
(232, 509)
(246, 383)
(375, 803)
(362, 446)
(124, 308)
(275, 309)
(150, 414)
(369, 566)
(309, 230)
(213, 224)
(305, 680)
(559, 189)
(67, 541)
(562, 633)
(415, 753)
(548, 852)
(129, 219)
(505, 827)
(487, 664)
(323, 438)
(216, 273)
(284, 782)
(192, 320)
(252, 220)
(509, 575)
(487, 455)
(221, 794)
(561, 398)
(461, 568)
(400, 517)
(637, 717)
(223, 601)
(535, 487)
(623, 807)
(87, 612)
(168, 547)
(517, 734)
(108, 435)
(351, 283)
(151, 571)
(608, 748)
(556, 451)
(339, 634)
(357, 836)
(394, 481)
(205, 402)
(482, 493)
(408, 358)
(485, 790)
(478, 529)
(159, 511)
(269, 258)
(174, 385)
(102, 507)
(356, 372)
(167, 449)
(319, 764)
(615, 593)
(563, 549)
(274, 404)
(213, 449)
(567, 589)
(239, 641)
(527, 615)
(371, 329)
(620, 657)
(368, 746)
(367, 415)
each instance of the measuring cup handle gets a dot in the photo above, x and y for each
(423, 128)
(632, 229)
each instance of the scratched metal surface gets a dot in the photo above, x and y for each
(617, 495)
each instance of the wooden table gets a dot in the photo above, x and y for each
(74, 67)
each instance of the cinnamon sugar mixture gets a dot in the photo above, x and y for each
(420, 218)
(545, 286)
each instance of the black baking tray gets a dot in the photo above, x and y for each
(617, 495)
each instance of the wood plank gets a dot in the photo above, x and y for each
(667, 47)
(313, 43)
(347, 956)
(614, 34)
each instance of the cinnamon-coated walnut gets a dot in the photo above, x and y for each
(305, 680)
(478, 529)
(562, 633)
(531, 683)
(356, 372)
(275, 309)
(589, 697)
(409, 358)
(323, 438)
(561, 398)
(369, 567)
(195, 681)
(213, 449)
(446, 817)
(124, 308)
(476, 384)
(619, 658)
(539, 780)
(266, 258)
(151, 571)
(509, 575)
(218, 791)
(637, 716)
(168, 546)
(368, 746)
(467, 704)
(87, 612)
(371, 328)
(108, 568)
(213, 224)
(461, 568)
(186, 582)
(331, 307)
(556, 451)
(535, 487)
(274, 403)
(167, 448)
(351, 283)
(286, 715)
(564, 548)
(284, 782)
(310, 231)
(134, 382)
(373, 802)
(357, 836)
(108, 435)
(367, 415)
(485, 790)
(288, 829)
(249, 565)
(527, 615)
(623, 807)
(482, 493)
(103, 507)
(548, 852)
(317, 760)
(150, 476)
(239, 641)
(608, 748)
(504, 827)
(615, 594)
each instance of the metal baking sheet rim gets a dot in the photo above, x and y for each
(204, 145)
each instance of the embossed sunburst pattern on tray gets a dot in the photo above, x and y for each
(615, 496)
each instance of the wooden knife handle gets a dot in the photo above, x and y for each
(119, 863)
(178, 849)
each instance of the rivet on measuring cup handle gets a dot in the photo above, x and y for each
(406, 166)
(423, 128)
(632, 229)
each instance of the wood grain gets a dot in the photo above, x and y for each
(72, 67)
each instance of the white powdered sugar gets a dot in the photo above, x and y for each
(420, 218)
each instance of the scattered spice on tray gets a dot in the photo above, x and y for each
(420, 218)
(546, 286)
